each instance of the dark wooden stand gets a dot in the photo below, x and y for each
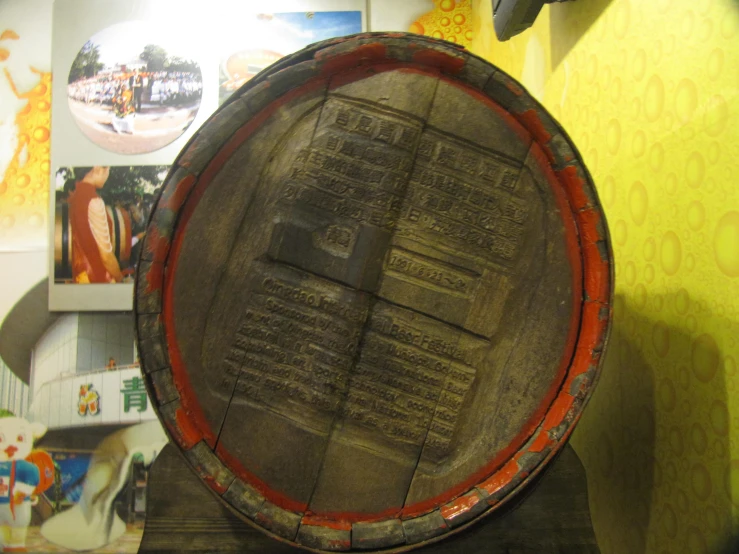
(552, 517)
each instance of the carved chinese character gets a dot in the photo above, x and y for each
(374, 176)
(508, 181)
(364, 125)
(425, 149)
(302, 156)
(516, 213)
(405, 164)
(447, 156)
(407, 138)
(317, 158)
(333, 142)
(489, 172)
(508, 229)
(386, 132)
(354, 171)
(342, 118)
(505, 249)
(427, 179)
(430, 201)
(339, 235)
(413, 215)
(445, 204)
(348, 148)
(468, 164)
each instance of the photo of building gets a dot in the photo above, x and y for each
(78, 375)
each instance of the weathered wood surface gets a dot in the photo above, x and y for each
(374, 294)
(553, 518)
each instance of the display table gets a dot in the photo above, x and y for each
(552, 516)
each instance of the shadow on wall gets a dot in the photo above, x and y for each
(730, 545)
(654, 439)
(569, 21)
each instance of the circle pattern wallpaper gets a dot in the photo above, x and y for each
(648, 92)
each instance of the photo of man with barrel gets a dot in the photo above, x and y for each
(100, 218)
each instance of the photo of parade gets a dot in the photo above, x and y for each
(100, 219)
(131, 91)
(262, 39)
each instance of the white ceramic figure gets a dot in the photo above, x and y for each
(92, 523)
(18, 479)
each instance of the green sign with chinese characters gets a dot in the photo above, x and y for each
(134, 394)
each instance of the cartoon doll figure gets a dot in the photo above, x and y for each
(19, 479)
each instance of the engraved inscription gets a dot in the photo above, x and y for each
(358, 165)
(426, 271)
(295, 342)
(337, 239)
(377, 357)
(408, 365)
(295, 348)
(462, 198)
(355, 117)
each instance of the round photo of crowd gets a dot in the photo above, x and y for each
(132, 90)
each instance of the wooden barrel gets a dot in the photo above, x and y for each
(119, 227)
(62, 242)
(387, 294)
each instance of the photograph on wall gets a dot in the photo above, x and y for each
(133, 89)
(265, 38)
(100, 217)
(80, 430)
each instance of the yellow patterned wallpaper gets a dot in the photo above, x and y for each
(24, 188)
(649, 91)
(25, 103)
(451, 20)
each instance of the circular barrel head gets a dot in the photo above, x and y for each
(374, 294)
